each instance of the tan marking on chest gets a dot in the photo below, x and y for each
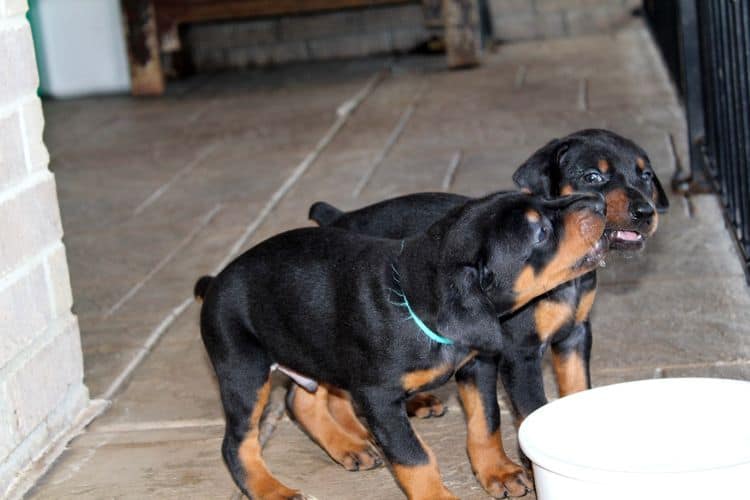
(584, 306)
(420, 378)
(468, 358)
(550, 316)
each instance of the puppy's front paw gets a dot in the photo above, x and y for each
(362, 457)
(506, 481)
(424, 406)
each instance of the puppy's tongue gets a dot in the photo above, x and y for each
(627, 235)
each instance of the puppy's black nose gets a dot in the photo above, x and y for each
(641, 210)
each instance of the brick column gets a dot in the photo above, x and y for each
(41, 370)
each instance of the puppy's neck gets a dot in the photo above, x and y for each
(417, 266)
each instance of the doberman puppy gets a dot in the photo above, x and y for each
(589, 160)
(382, 319)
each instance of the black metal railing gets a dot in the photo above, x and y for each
(711, 67)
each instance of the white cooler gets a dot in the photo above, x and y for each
(80, 47)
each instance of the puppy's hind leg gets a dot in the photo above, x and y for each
(312, 413)
(243, 370)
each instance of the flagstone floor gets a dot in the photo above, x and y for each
(156, 192)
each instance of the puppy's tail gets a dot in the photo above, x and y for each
(201, 287)
(324, 213)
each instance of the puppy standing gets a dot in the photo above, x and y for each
(590, 160)
(382, 319)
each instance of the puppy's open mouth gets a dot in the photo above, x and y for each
(624, 239)
(595, 256)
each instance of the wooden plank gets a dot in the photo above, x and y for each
(146, 75)
(433, 14)
(177, 11)
(463, 42)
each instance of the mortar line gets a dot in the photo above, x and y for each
(159, 425)
(520, 77)
(145, 350)
(203, 222)
(661, 368)
(450, 173)
(583, 94)
(343, 113)
(156, 194)
(389, 143)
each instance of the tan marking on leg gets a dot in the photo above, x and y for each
(603, 165)
(570, 373)
(422, 482)
(585, 305)
(419, 378)
(340, 406)
(497, 473)
(312, 414)
(550, 316)
(258, 479)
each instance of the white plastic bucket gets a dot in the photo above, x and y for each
(658, 439)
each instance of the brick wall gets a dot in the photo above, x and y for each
(533, 19)
(341, 34)
(41, 376)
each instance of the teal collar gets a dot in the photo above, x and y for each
(405, 303)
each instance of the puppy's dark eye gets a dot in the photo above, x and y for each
(593, 178)
(541, 234)
(647, 175)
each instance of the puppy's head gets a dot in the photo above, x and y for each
(603, 162)
(500, 252)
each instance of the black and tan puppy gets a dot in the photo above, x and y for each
(382, 319)
(590, 160)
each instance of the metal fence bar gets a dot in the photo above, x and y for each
(713, 37)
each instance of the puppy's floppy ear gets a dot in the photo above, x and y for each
(540, 173)
(465, 314)
(662, 202)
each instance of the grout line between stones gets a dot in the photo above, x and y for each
(164, 261)
(390, 142)
(450, 173)
(202, 155)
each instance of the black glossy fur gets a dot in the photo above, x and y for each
(321, 301)
(560, 166)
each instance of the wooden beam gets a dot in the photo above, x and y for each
(206, 10)
(144, 54)
(463, 42)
